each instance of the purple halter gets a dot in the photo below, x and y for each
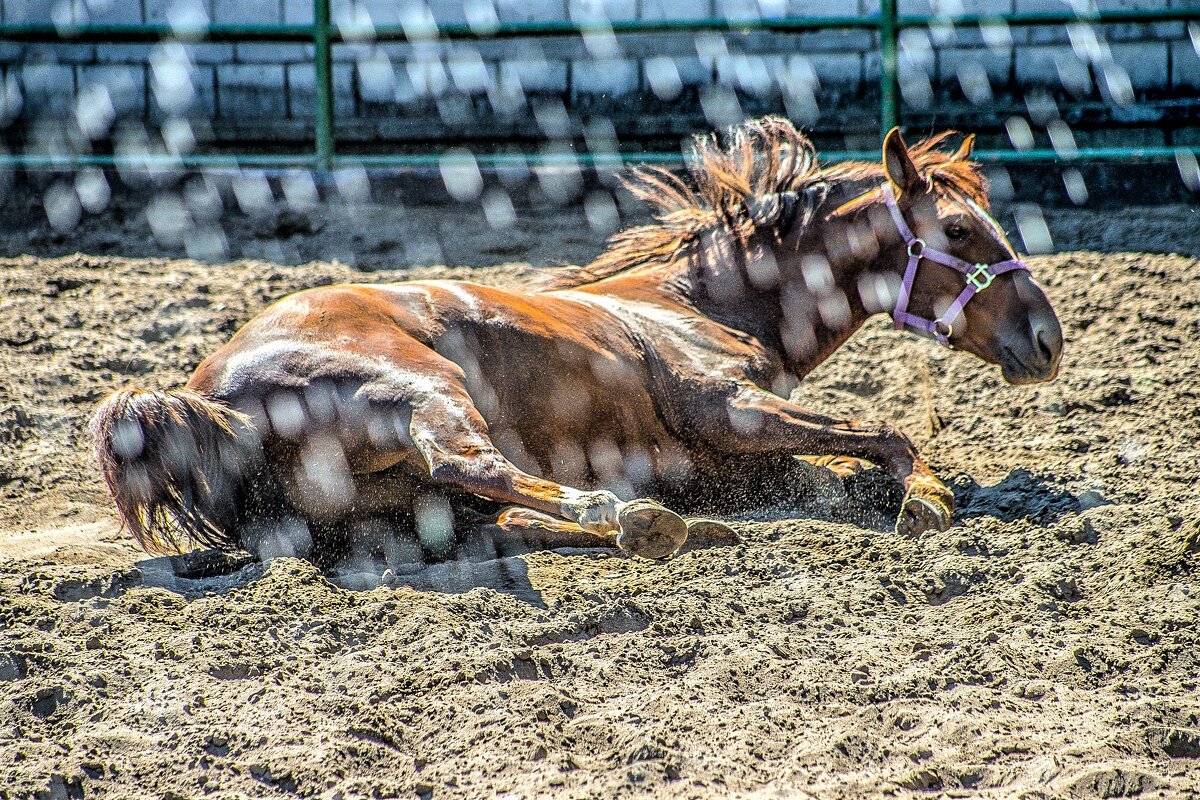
(979, 277)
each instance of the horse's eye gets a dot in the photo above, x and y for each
(956, 233)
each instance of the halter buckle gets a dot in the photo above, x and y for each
(981, 278)
(919, 244)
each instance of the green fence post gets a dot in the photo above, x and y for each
(889, 89)
(324, 84)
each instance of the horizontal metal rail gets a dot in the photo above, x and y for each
(323, 35)
(599, 162)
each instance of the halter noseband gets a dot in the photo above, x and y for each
(979, 277)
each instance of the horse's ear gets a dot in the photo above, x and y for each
(898, 164)
(964, 150)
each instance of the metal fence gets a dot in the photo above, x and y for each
(323, 35)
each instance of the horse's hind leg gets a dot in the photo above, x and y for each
(841, 466)
(534, 529)
(452, 437)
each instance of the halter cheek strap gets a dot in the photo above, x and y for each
(978, 276)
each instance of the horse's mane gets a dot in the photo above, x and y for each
(726, 185)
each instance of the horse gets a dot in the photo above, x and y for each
(576, 408)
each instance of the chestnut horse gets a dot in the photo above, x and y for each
(647, 373)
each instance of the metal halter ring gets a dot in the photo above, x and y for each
(919, 244)
(939, 326)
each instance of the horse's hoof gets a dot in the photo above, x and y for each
(649, 530)
(710, 533)
(927, 507)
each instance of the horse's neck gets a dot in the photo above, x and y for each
(767, 295)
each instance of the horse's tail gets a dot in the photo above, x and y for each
(175, 463)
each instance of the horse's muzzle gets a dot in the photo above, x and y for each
(1033, 358)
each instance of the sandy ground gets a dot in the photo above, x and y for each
(1045, 646)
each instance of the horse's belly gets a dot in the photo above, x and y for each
(610, 438)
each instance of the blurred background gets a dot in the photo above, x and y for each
(216, 129)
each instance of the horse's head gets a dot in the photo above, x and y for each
(962, 283)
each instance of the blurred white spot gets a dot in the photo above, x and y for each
(559, 175)
(460, 173)
(749, 73)
(878, 291)
(799, 338)
(1001, 183)
(188, 18)
(299, 190)
(834, 309)
(506, 93)
(974, 81)
(710, 47)
(762, 270)
(996, 35)
(1189, 168)
(1193, 29)
(915, 47)
(721, 107)
(1085, 43)
(1116, 81)
(178, 136)
(94, 111)
(1074, 75)
(664, 78)
(498, 209)
(746, 421)
(92, 188)
(1034, 231)
(11, 100)
(427, 75)
(818, 276)
(1076, 188)
(252, 192)
(202, 198)
(601, 136)
(434, 521)
(286, 415)
(600, 41)
(169, 219)
(1061, 138)
(799, 83)
(377, 79)
(1019, 132)
(1041, 106)
(352, 184)
(62, 206)
(286, 539)
(469, 72)
(128, 439)
(171, 79)
(601, 212)
(354, 23)
(206, 244)
(915, 87)
(68, 15)
(553, 119)
(606, 460)
(418, 22)
(481, 16)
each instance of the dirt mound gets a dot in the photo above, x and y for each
(1045, 646)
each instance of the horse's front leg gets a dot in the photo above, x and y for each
(748, 420)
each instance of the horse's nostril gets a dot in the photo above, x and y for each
(1048, 337)
(1044, 346)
